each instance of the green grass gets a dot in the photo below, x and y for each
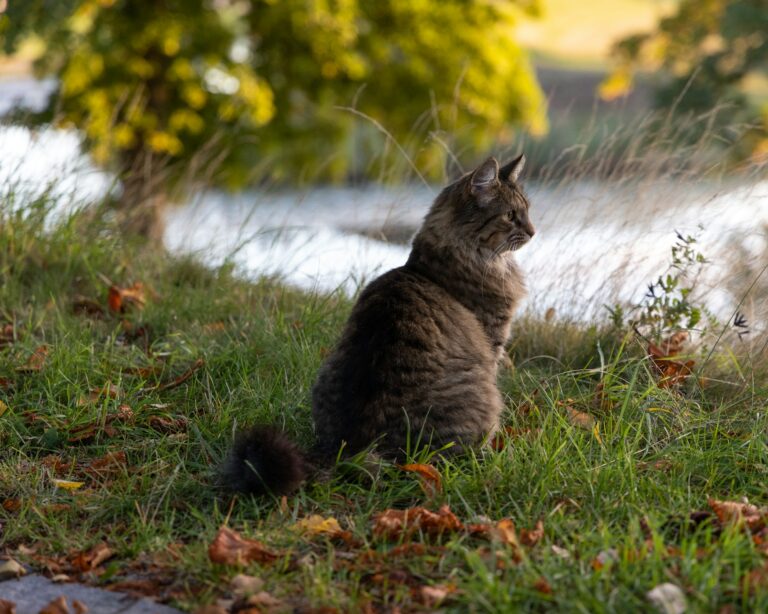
(658, 455)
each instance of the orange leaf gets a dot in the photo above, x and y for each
(36, 361)
(532, 537)
(229, 548)
(733, 512)
(120, 299)
(431, 482)
(90, 560)
(398, 523)
(7, 607)
(57, 606)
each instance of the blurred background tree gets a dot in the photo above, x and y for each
(706, 56)
(277, 89)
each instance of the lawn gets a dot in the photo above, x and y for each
(112, 425)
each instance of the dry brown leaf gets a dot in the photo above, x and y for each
(164, 424)
(671, 372)
(57, 606)
(11, 505)
(533, 536)
(79, 607)
(505, 532)
(7, 607)
(431, 481)
(36, 361)
(243, 585)
(393, 524)
(734, 512)
(108, 391)
(5, 383)
(91, 559)
(121, 299)
(229, 548)
(579, 418)
(211, 608)
(10, 568)
(264, 602)
(214, 327)
(543, 586)
(110, 463)
(433, 596)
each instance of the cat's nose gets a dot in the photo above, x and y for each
(530, 230)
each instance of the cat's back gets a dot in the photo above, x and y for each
(406, 340)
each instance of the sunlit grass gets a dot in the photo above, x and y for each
(625, 488)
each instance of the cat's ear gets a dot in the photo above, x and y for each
(485, 176)
(511, 170)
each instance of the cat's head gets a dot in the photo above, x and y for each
(484, 211)
(494, 211)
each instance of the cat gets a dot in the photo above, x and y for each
(417, 361)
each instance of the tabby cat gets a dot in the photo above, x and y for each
(418, 358)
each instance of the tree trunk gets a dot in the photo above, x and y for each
(143, 198)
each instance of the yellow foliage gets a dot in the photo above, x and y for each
(164, 142)
(186, 120)
(124, 136)
(616, 85)
(194, 96)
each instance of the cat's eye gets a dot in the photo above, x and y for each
(511, 216)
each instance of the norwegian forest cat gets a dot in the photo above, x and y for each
(418, 358)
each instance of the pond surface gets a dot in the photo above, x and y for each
(596, 243)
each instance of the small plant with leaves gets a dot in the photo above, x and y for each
(670, 304)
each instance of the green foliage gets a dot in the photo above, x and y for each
(704, 55)
(265, 79)
(669, 304)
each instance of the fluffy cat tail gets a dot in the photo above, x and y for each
(263, 460)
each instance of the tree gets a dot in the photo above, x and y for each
(703, 56)
(155, 84)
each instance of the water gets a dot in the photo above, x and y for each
(596, 244)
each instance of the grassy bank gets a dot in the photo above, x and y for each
(109, 438)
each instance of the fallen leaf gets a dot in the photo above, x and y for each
(57, 606)
(120, 300)
(431, 481)
(393, 524)
(560, 552)
(433, 596)
(112, 462)
(229, 548)
(108, 391)
(36, 361)
(733, 512)
(7, 607)
(317, 525)
(91, 559)
(169, 425)
(214, 327)
(7, 334)
(542, 586)
(3, 408)
(10, 568)
(211, 608)
(506, 532)
(5, 383)
(576, 417)
(533, 536)
(79, 607)
(671, 372)
(242, 585)
(11, 505)
(668, 598)
(605, 557)
(67, 484)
